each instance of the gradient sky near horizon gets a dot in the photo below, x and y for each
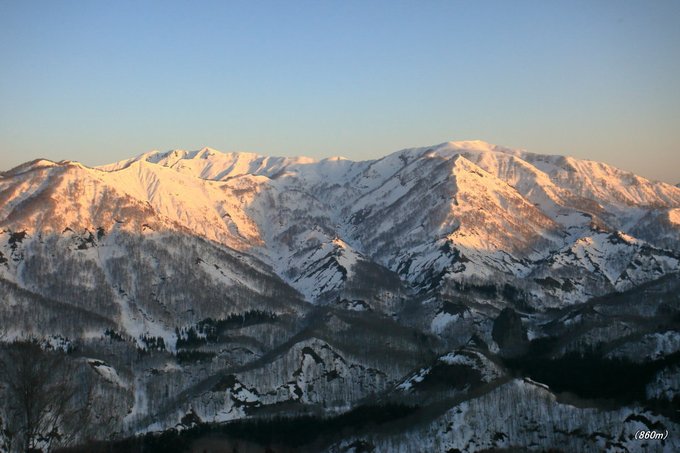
(100, 81)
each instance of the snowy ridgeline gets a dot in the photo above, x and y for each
(459, 213)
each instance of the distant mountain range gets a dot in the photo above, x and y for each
(259, 285)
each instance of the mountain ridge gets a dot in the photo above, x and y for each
(201, 287)
(502, 210)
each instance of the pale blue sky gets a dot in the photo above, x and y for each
(99, 81)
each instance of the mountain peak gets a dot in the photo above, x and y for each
(28, 166)
(478, 146)
(471, 145)
(335, 159)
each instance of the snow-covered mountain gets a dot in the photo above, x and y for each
(474, 213)
(257, 282)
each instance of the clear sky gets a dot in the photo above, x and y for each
(99, 81)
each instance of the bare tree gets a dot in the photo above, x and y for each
(46, 401)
